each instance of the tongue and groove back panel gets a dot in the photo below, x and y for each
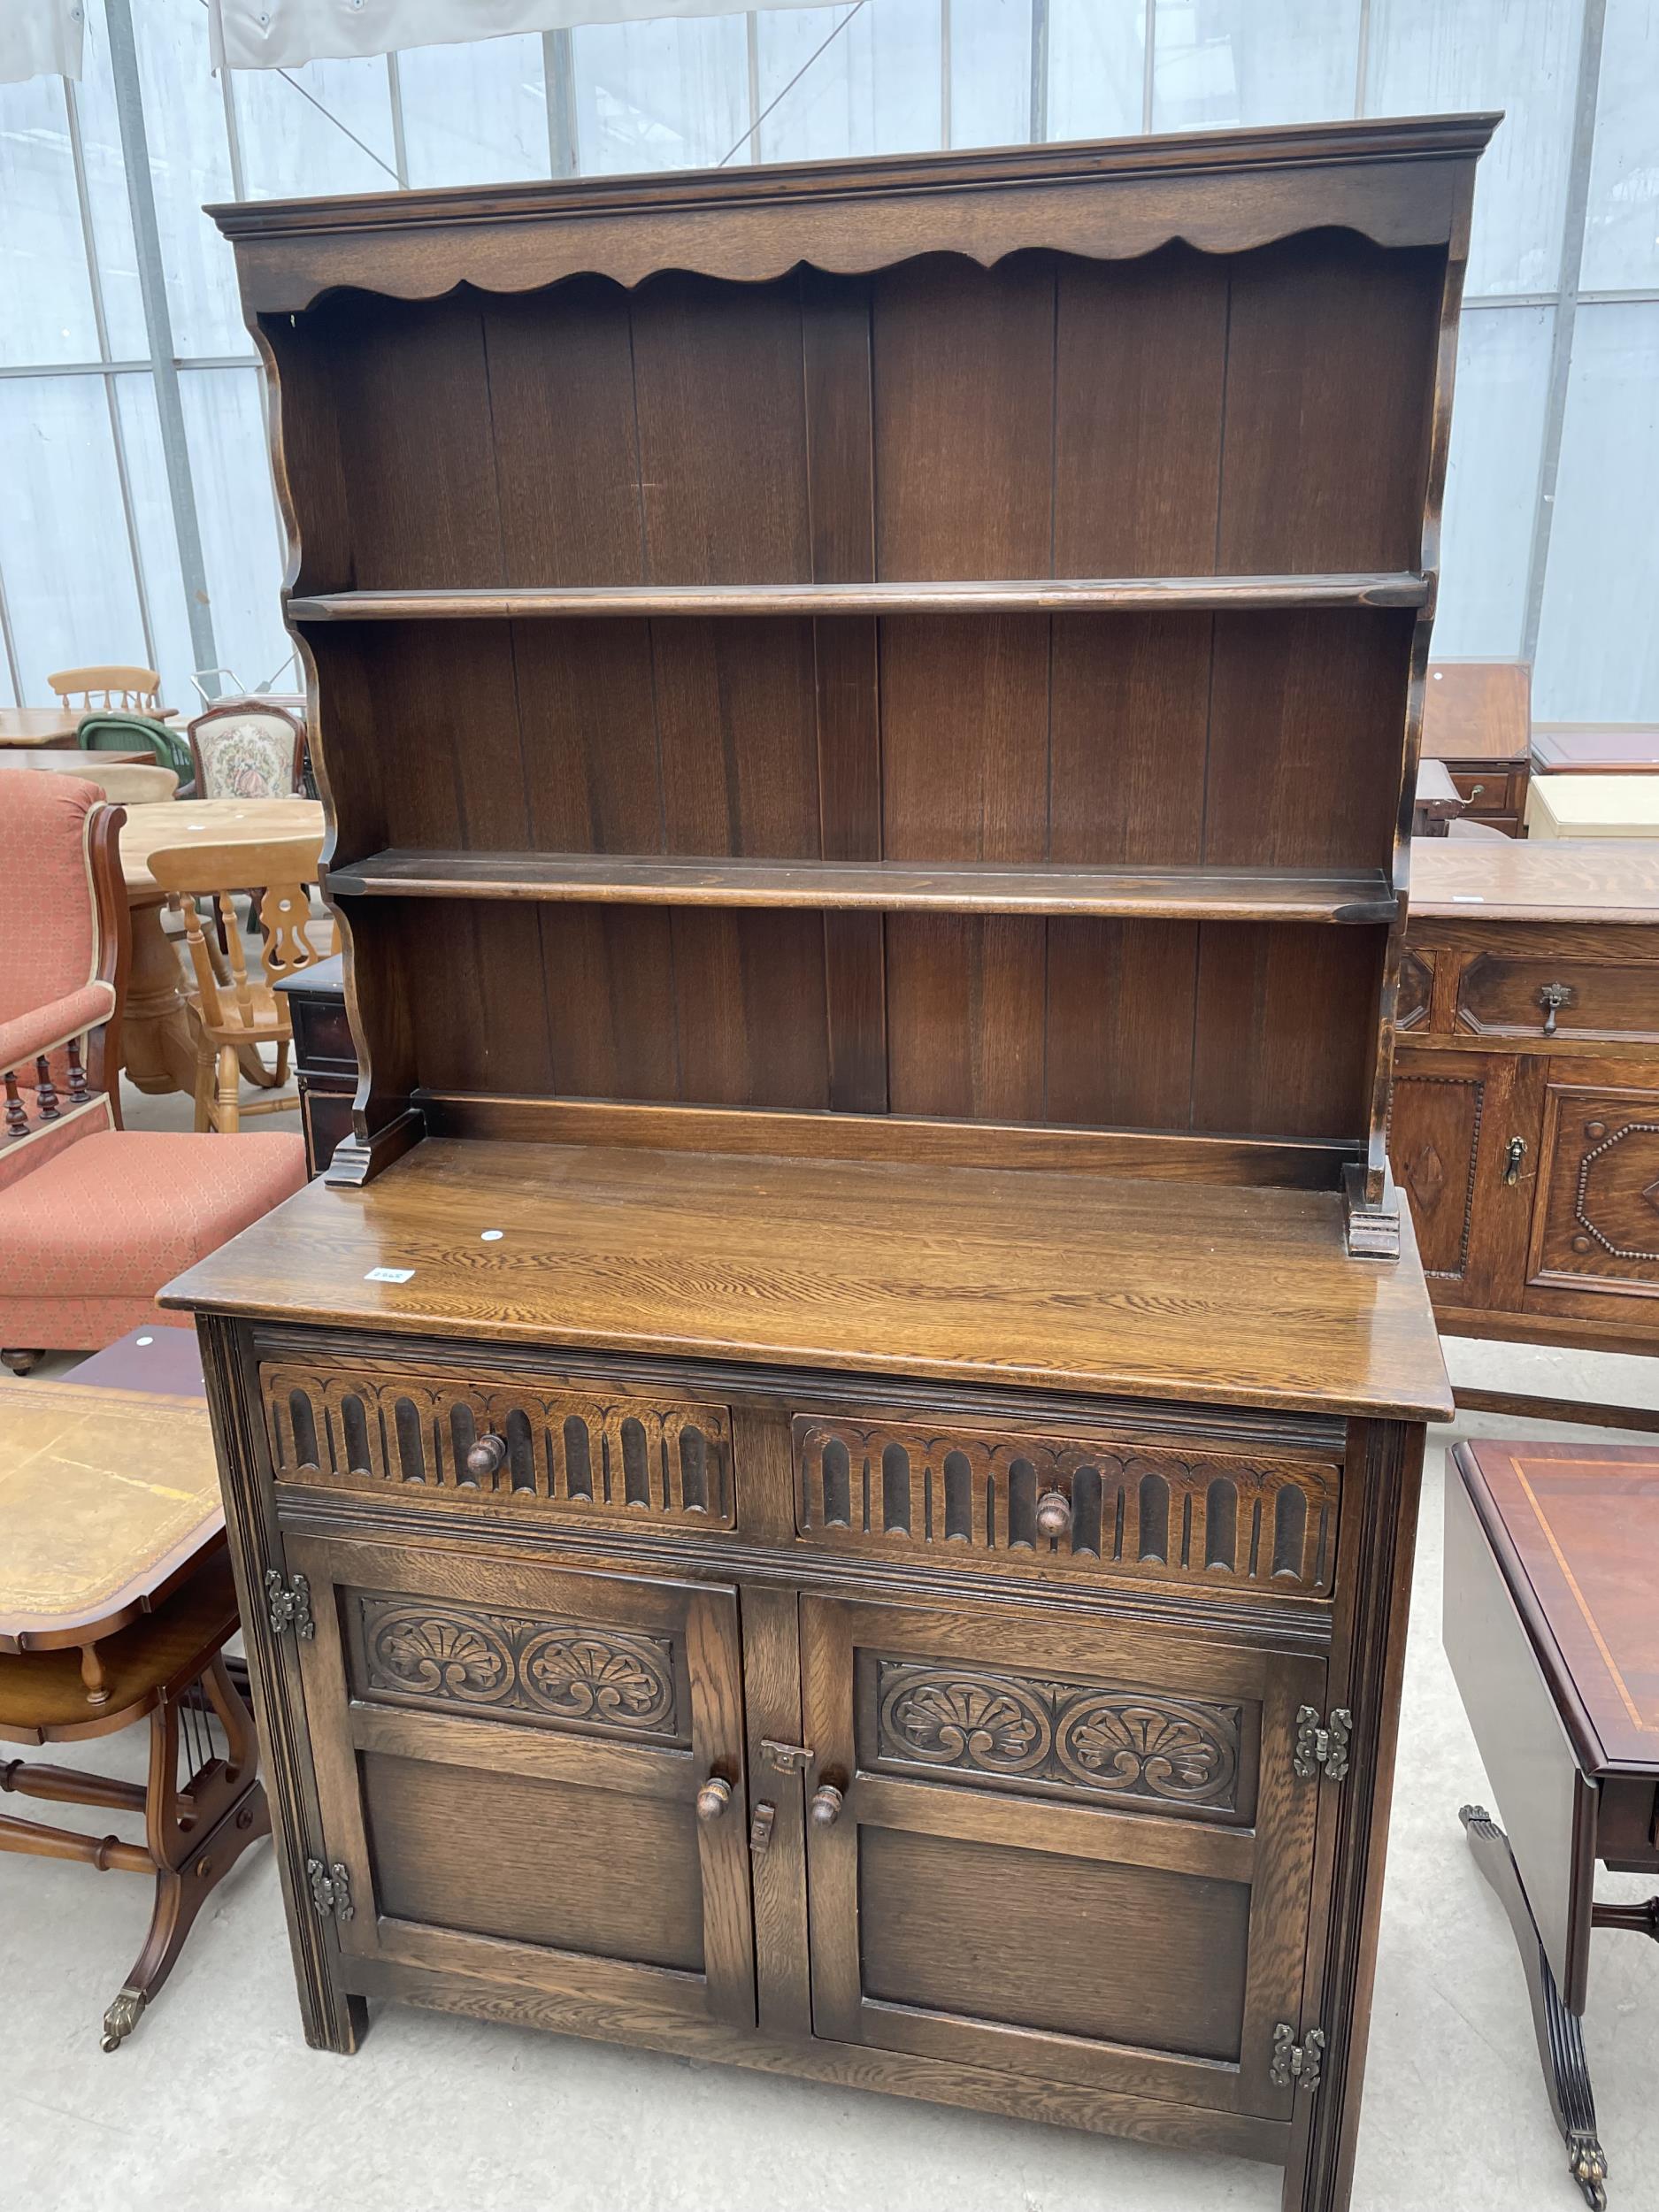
(1183, 414)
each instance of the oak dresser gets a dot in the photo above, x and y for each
(827, 1480)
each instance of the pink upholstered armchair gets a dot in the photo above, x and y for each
(94, 1218)
(62, 946)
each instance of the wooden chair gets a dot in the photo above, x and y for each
(247, 748)
(244, 1011)
(137, 690)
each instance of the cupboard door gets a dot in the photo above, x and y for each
(1595, 1219)
(1076, 1851)
(510, 1761)
(1450, 1121)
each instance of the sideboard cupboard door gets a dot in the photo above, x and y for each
(1451, 1121)
(531, 1776)
(1075, 1851)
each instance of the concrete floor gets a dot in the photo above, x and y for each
(217, 2103)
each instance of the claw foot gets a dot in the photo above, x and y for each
(1587, 2162)
(121, 2019)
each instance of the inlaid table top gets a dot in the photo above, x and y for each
(1576, 1532)
(108, 1498)
(216, 822)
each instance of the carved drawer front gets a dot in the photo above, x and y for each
(1079, 1852)
(1595, 1216)
(1071, 1505)
(1547, 997)
(532, 1448)
(529, 1776)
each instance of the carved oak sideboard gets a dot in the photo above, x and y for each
(827, 1480)
(1526, 1119)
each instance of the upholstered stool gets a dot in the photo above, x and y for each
(93, 1232)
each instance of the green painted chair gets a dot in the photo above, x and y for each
(110, 733)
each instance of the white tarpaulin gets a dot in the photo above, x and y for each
(42, 38)
(282, 34)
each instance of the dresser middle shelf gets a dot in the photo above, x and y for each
(1191, 893)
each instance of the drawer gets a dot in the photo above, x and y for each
(322, 1035)
(1500, 996)
(1488, 790)
(1073, 1504)
(439, 1441)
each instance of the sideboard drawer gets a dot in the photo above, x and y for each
(1545, 997)
(561, 1452)
(1070, 1504)
(1489, 791)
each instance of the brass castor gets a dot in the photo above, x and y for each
(121, 2019)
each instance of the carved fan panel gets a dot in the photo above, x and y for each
(948, 1719)
(1188, 1515)
(555, 1449)
(523, 1667)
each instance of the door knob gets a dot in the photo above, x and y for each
(826, 1809)
(713, 1797)
(1054, 1514)
(486, 1457)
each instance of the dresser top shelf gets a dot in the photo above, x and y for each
(1055, 1281)
(1333, 895)
(1037, 595)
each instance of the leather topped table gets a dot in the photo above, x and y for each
(1595, 748)
(116, 1602)
(1552, 1560)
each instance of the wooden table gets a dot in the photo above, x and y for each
(116, 1602)
(1594, 749)
(157, 1038)
(48, 727)
(68, 761)
(1600, 806)
(1476, 719)
(1551, 1560)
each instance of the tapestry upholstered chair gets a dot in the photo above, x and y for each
(137, 690)
(247, 748)
(94, 1218)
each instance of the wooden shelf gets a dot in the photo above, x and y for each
(1354, 894)
(1036, 595)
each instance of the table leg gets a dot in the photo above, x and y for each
(197, 1826)
(157, 1036)
(1560, 2038)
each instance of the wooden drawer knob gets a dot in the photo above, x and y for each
(486, 1457)
(713, 1797)
(826, 1806)
(1054, 1514)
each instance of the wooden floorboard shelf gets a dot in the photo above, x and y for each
(1033, 595)
(1355, 895)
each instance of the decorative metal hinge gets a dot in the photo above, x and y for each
(1296, 2061)
(331, 1890)
(1322, 1743)
(289, 1602)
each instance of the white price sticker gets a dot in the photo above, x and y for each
(391, 1275)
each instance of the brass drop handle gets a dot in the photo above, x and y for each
(1476, 791)
(826, 1809)
(1054, 1514)
(1552, 998)
(713, 1797)
(1515, 1154)
(486, 1457)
